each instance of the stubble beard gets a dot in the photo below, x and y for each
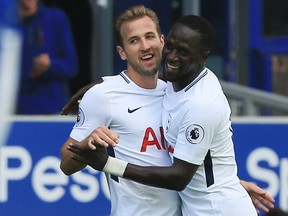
(146, 72)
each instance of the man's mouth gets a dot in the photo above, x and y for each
(147, 57)
(172, 67)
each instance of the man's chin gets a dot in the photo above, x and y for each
(169, 77)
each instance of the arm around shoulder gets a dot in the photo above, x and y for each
(175, 177)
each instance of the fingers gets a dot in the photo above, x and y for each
(104, 137)
(267, 200)
(270, 200)
(262, 201)
(260, 206)
(101, 136)
(79, 159)
(76, 152)
(91, 143)
(111, 137)
(74, 148)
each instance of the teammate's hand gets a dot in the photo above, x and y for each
(260, 198)
(96, 158)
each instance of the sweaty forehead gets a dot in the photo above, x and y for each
(137, 27)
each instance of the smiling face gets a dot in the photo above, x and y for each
(142, 46)
(183, 55)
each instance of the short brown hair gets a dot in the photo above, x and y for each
(132, 13)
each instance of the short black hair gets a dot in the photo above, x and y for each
(202, 26)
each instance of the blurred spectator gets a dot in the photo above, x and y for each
(276, 212)
(49, 59)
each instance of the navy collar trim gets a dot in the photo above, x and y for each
(196, 80)
(122, 74)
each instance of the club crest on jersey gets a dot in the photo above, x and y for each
(80, 118)
(194, 134)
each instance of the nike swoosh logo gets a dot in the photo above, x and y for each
(133, 110)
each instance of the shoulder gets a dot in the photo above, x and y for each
(93, 97)
(110, 83)
(213, 80)
(205, 89)
(97, 89)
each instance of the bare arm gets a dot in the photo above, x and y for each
(68, 165)
(175, 177)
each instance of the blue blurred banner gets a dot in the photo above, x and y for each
(262, 156)
(31, 182)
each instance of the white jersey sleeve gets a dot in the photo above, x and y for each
(196, 133)
(94, 110)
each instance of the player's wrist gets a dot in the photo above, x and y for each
(115, 166)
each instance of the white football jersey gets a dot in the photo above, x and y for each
(135, 114)
(197, 127)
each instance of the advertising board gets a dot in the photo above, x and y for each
(32, 184)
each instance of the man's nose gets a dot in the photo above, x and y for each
(172, 55)
(145, 45)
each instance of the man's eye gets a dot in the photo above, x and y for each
(134, 41)
(184, 52)
(168, 46)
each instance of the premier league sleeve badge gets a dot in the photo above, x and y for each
(194, 134)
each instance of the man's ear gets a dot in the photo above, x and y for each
(206, 55)
(121, 52)
(162, 40)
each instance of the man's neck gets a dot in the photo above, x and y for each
(182, 82)
(146, 82)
